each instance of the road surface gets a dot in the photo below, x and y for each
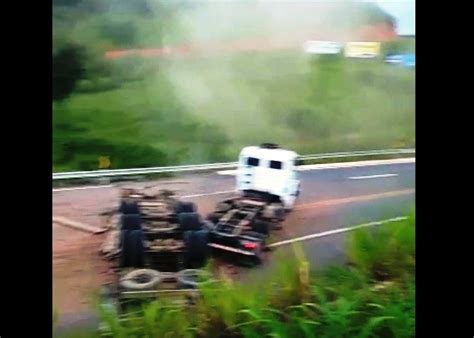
(330, 199)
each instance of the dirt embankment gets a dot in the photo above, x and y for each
(78, 270)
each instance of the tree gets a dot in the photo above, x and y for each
(66, 3)
(121, 33)
(68, 68)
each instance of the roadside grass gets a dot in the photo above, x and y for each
(373, 296)
(55, 317)
(385, 253)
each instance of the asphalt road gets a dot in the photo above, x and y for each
(330, 199)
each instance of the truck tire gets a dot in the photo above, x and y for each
(122, 235)
(274, 211)
(141, 279)
(196, 247)
(130, 222)
(181, 207)
(193, 278)
(132, 253)
(189, 221)
(128, 207)
(137, 240)
(261, 226)
(125, 249)
(201, 247)
(280, 213)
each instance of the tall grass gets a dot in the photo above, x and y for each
(386, 252)
(342, 301)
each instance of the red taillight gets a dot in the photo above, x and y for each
(250, 245)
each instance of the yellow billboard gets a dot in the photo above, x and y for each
(362, 49)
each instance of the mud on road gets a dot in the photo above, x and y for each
(78, 269)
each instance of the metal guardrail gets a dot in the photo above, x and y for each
(218, 166)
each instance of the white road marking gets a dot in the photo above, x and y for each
(227, 172)
(208, 194)
(228, 248)
(334, 232)
(371, 176)
(324, 166)
(83, 188)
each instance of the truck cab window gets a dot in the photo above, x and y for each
(252, 161)
(275, 164)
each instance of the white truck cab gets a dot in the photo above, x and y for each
(271, 170)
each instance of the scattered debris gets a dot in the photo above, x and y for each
(78, 226)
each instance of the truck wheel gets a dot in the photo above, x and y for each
(280, 213)
(130, 222)
(129, 208)
(261, 227)
(137, 240)
(132, 253)
(126, 249)
(141, 279)
(181, 207)
(192, 278)
(123, 234)
(189, 221)
(274, 211)
(196, 247)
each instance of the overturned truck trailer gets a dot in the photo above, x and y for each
(162, 243)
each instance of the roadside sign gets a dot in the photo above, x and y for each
(104, 162)
(394, 58)
(322, 47)
(362, 49)
(409, 60)
(405, 60)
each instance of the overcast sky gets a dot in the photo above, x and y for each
(403, 11)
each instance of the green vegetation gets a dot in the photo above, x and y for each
(373, 296)
(402, 45)
(204, 107)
